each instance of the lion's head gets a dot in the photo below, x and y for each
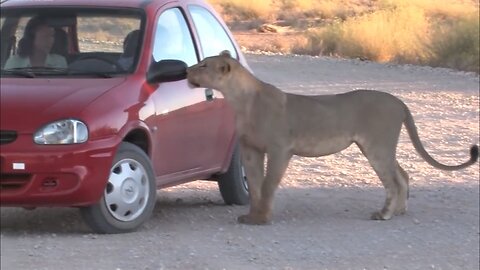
(212, 72)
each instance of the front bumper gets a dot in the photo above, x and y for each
(34, 175)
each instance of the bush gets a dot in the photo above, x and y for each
(457, 45)
(439, 33)
(386, 35)
(320, 41)
(403, 34)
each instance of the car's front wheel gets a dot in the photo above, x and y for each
(233, 183)
(129, 196)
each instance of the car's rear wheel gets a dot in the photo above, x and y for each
(233, 183)
(129, 196)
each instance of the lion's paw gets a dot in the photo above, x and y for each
(400, 212)
(379, 216)
(252, 220)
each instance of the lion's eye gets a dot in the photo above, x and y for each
(203, 65)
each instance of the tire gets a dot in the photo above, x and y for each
(233, 183)
(129, 196)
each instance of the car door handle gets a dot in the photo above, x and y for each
(209, 95)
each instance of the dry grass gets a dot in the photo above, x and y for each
(289, 9)
(457, 45)
(380, 36)
(435, 32)
(438, 8)
(234, 10)
(323, 9)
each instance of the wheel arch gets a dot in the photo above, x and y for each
(140, 138)
(138, 133)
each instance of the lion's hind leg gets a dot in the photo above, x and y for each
(382, 159)
(387, 176)
(403, 190)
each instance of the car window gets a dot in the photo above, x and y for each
(85, 41)
(173, 39)
(10, 35)
(213, 37)
(105, 33)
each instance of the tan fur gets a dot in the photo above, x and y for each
(280, 125)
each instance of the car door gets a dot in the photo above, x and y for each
(186, 124)
(212, 40)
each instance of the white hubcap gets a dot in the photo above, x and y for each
(127, 190)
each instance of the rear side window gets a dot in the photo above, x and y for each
(213, 37)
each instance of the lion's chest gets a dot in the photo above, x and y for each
(262, 132)
(261, 119)
(250, 134)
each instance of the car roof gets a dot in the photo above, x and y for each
(84, 3)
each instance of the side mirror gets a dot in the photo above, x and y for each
(167, 71)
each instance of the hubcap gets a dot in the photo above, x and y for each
(244, 179)
(127, 190)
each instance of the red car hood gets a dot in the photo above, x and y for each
(28, 104)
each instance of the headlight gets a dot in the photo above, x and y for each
(62, 132)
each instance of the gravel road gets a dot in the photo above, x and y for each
(321, 208)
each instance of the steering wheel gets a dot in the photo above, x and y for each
(101, 58)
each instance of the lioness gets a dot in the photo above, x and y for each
(279, 124)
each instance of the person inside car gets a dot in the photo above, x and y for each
(35, 46)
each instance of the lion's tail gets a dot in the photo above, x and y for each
(412, 132)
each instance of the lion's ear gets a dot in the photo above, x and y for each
(226, 53)
(225, 67)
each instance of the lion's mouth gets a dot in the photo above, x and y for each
(191, 78)
(193, 84)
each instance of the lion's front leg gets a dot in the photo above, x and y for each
(261, 211)
(253, 162)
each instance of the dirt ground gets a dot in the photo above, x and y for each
(322, 209)
(282, 42)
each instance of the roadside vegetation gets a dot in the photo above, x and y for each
(442, 33)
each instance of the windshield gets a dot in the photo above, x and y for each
(70, 42)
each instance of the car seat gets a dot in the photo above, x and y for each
(130, 44)
(60, 45)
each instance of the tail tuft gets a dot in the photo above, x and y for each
(474, 153)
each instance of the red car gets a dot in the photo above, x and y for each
(108, 118)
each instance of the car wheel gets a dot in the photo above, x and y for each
(129, 196)
(233, 183)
